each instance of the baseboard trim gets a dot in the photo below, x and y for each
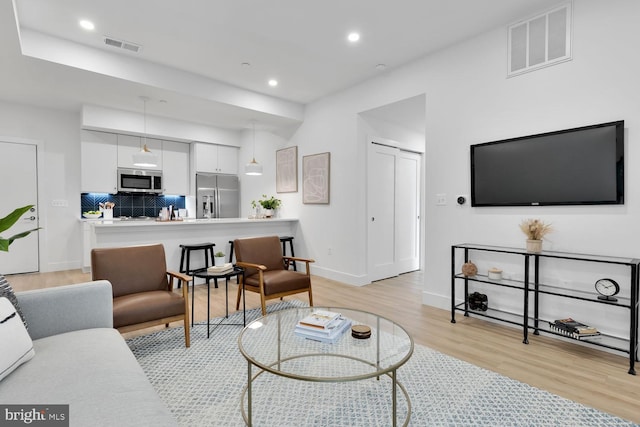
(349, 279)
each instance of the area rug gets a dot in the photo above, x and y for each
(202, 386)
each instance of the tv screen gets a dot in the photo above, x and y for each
(581, 166)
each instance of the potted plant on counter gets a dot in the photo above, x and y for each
(269, 205)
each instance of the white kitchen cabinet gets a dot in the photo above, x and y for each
(99, 162)
(129, 145)
(175, 168)
(214, 158)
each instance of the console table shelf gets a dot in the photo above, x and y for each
(530, 287)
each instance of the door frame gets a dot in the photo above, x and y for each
(43, 259)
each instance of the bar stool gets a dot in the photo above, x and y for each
(231, 251)
(284, 240)
(186, 254)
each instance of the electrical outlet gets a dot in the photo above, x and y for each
(329, 251)
(441, 199)
(59, 203)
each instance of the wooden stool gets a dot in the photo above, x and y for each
(284, 240)
(187, 249)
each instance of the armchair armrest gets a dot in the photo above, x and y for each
(53, 311)
(251, 265)
(307, 261)
(185, 279)
(295, 258)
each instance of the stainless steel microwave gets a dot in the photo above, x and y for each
(139, 181)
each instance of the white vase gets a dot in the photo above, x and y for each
(534, 245)
(218, 260)
(268, 213)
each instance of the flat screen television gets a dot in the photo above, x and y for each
(581, 166)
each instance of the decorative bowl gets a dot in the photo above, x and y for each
(92, 215)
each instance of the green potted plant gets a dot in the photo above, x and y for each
(7, 222)
(269, 205)
(218, 258)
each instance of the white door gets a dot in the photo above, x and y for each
(393, 206)
(381, 212)
(19, 187)
(408, 211)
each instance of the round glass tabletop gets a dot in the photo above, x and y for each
(274, 343)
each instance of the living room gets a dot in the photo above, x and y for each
(468, 100)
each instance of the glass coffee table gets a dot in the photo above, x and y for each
(270, 345)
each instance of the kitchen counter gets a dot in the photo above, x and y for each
(99, 233)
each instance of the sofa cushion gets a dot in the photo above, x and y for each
(7, 291)
(94, 372)
(17, 347)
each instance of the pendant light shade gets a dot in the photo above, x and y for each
(253, 167)
(145, 158)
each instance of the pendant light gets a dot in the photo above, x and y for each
(253, 167)
(145, 158)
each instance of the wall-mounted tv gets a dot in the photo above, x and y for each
(581, 166)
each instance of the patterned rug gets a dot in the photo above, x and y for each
(202, 386)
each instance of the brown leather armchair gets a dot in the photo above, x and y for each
(265, 271)
(142, 287)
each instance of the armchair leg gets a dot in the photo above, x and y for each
(239, 296)
(264, 305)
(187, 333)
(310, 298)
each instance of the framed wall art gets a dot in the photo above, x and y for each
(315, 178)
(287, 170)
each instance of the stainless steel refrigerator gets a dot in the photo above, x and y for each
(217, 196)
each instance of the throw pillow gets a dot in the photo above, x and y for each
(7, 291)
(16, 342)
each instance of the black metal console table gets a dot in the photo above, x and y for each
(531, 285)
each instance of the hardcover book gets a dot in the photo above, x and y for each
(319, 319)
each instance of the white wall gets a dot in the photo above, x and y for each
(59, 178)
(470, 100)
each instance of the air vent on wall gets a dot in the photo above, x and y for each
(540, 41)
(121, 44)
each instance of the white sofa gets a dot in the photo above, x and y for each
(80, 360)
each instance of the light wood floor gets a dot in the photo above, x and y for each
(586, 375)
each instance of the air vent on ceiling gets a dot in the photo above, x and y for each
(121, 44)
(541, 41)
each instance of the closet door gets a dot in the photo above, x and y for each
(393, 206)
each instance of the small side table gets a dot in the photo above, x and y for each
(207, 276)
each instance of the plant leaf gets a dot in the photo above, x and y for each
(8, 221)
(4, 243)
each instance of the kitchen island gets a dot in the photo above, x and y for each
(172, 234)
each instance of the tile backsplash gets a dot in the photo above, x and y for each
(131, 204)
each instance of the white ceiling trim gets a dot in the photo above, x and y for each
(122, 66)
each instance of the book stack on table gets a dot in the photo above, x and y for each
(323, 326)
(574, 329)
(220, 269)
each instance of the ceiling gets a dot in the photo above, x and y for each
(193, 51)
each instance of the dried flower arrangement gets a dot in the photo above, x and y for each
(535, 229)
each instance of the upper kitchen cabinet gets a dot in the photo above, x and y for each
(215, 158)
(99, 162)
(129, 145)
(175, 167)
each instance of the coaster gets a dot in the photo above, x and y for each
(361, 332)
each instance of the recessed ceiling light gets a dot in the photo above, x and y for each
(87, 25)
(273, 83)
(245, 65)
(381, 67)
(353, 37)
